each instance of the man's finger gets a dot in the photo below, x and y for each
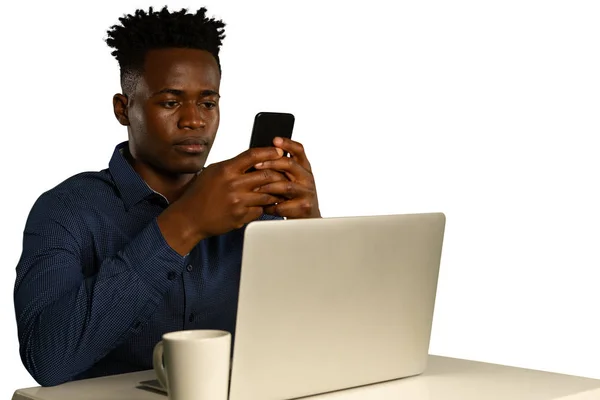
(254, 180)
(291, 209)
(296, 150)
(246, 160)
(254, 199)
(287, 189)
(293, 170)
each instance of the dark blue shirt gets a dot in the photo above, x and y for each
(97, 285)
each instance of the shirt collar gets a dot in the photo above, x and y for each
(130, 184)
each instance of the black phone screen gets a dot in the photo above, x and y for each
(269, 125)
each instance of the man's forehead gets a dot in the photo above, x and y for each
(180, 68)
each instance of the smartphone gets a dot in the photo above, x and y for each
(269, 125)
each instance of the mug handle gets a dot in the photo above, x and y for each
(159, 367)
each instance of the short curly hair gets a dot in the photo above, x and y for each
(143, 31)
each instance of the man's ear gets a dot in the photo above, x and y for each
(120, 102)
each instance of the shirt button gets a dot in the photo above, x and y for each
(171, 275)
(191, 318)
(189, 268)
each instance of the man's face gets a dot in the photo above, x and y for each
(174, 111)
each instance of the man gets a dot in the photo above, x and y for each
(114, 259)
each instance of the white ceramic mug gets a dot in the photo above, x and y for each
(195, 365)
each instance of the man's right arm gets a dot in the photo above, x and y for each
(67, 322)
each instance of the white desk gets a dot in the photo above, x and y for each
(445, 379)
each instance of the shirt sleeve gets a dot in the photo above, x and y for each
(66, 321)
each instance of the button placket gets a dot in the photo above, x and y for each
(187, 281)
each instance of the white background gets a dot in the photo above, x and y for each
(485, 110)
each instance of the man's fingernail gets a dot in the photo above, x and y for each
(279, 151)
(259, 165)
(278, 141)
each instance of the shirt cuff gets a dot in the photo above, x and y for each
(151, 257)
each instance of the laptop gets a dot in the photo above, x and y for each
(334, 303)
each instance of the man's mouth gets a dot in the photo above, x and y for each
(192, 146)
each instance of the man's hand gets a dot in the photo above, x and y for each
(299, 190)
(221, 198)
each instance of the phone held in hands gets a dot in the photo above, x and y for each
(268, 126)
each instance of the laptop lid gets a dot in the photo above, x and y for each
(333, 303)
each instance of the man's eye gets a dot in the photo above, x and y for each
(169, 104)
(209, 105)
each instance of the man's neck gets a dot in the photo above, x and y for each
(170, 186)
